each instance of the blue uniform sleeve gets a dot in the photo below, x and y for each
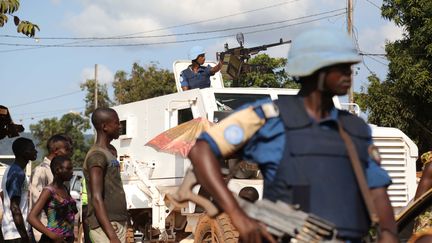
(375, 175)
(184, 82)
(265, 147)
(14, 182)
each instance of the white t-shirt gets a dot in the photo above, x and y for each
(14, 183)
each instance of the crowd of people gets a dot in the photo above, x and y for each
(44, 201)
(306, 150)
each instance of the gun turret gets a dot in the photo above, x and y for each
(235, 59)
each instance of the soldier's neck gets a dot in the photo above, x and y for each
(318, 104)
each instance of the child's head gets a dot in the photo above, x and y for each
(61, 167)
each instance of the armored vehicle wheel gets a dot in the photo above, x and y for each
(218, 230)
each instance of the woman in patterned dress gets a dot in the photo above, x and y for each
(58, 205)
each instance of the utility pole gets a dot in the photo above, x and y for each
(95, 98)
(96, 88)
(349, 29)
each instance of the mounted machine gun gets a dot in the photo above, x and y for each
(235, 59)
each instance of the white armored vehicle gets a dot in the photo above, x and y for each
(148, 175)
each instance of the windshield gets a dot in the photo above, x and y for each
(227, 102)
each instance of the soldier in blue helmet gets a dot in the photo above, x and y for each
(298, 144)
(197, 75)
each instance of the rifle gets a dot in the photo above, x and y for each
(235, 59)
(281, 219)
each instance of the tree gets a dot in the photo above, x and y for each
(142, 83)
(8, 7)
(103, 98)
(265, 71)
(404, 98)
(71, 124)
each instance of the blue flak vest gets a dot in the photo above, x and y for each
(201, 79)
(316, 172)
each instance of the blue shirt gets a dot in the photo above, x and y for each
(200, 79)
(14, 181)
(267, 145)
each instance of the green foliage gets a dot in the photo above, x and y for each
(72, 124)
(404, 99)
(103, 98)
(142, 83)
(27, 28)
(265, 71)
(8, 7)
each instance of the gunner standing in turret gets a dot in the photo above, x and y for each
(197, 75)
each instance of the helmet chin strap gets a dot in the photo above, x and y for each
(321, 80)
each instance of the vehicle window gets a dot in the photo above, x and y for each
(283, 95)
(123, 127)
(184, 115)
(228, 102)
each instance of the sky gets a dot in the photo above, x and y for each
(40, 78)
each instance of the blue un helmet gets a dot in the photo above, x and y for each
(318, 48)
(195, 51)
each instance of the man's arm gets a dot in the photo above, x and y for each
(425, 182)
(207, 169)
(96, 187)
(216, 68)
(385, 213)
(18, 218)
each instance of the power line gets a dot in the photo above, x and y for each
(355, 31)
(46, 99)
(44, 112)
(171, 42)
(192, 33)
(374, 4)
(373, 54)
(165, 28)
(376, 60)
(45, 115)
(48, 113)
(170, 27)
(173, 26)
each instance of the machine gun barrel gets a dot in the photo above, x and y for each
(255, 50)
